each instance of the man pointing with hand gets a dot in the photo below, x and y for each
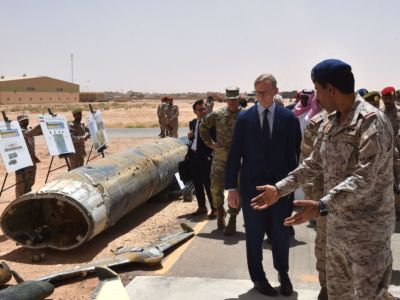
(353, 153)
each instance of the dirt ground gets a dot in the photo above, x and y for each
(141, 227)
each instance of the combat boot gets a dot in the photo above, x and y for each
(230, 229)
(221, 213)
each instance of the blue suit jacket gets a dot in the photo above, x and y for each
(259, 164)
(202, 148)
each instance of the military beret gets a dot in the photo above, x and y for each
(372, 96)
(388, 91)
(22, 117)
(362, 92)
(76, 110)
(330, 70)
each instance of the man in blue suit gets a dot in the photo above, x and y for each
(264, 149)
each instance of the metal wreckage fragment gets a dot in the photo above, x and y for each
(150, 255)
(80, 204)
(110, 283)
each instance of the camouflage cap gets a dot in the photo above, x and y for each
(22, 117)
(76, 110)
(232, 93)
(372, 97)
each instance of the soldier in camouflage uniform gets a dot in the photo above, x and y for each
(25, 178)
(315, 190)
(79, 134)
(172, 113)
(390, 110)
(161, 116)
(224, 121)
(373, 98)
(353, 153)
(398, 97)
(209, 105)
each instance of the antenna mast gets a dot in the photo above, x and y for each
(72, 67)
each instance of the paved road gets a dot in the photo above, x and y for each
(212, 266)
(140, 132)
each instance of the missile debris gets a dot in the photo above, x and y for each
(28, 290)
(80, 204)
(110, 286)
(150, 255)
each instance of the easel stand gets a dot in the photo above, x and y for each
(3, 184)
(100, 151)
(65, 155)
(7, 121)
(49, 170)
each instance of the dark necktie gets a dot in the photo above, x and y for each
(196, 133)
(265, 129)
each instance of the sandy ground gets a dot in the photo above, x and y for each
(134, 114)
(141, 227)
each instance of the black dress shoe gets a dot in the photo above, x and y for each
(265, 288)
(286, 285)
(213, 214)
(200, 211)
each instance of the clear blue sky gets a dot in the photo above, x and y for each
(181, 45)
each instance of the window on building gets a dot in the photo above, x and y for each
(60, 89)
(19, 99)
(50, 98)
(41, 99)
(30, 88)
(30, 98)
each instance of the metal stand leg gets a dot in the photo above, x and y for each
(49, 170)
(4, 183)
(67, 162)
(90, 153)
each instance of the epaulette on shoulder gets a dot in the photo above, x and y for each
(368, 112)
(318, 118)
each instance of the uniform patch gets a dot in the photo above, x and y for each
(368, 133)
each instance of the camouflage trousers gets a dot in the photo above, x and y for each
(162, 127)
(218, 185)
(25, 179)
(76, 160)
(358, 269)
(172, 128)
(320, 250)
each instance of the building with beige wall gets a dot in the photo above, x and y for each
(34, 90)
(92, 97)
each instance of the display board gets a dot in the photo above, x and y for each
(56, 134)
(97, 131)
(13, 150)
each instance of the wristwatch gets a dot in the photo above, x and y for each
(323, 210)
